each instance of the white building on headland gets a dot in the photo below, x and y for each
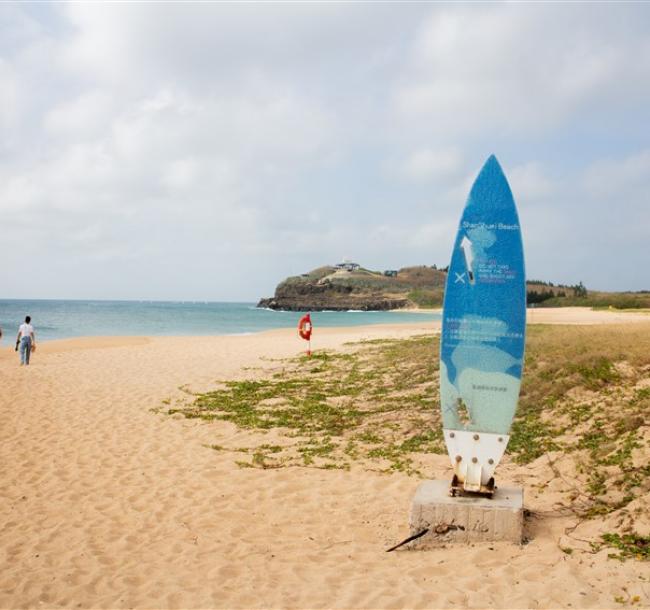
(348, 265)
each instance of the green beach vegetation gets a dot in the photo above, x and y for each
(547, 294)
(583, 411)
(373, 403)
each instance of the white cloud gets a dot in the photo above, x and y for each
(436, 234)
(530, 184)
(616, 178)
(83, 116)
(182, 173)
(283, 136)
(8, 98)
(425, 164)
(522, 68)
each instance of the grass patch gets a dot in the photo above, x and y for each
(426, 298)
(602, 300)
(376, 405)
(628, 546)
(576, 400)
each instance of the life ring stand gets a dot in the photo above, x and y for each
(305, 327)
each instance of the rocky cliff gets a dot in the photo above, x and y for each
(330, 288)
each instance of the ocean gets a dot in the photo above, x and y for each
(55, 319)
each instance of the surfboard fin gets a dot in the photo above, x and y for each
(474, 456)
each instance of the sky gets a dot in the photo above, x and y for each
(205, 151)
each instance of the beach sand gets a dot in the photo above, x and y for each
(107, 503)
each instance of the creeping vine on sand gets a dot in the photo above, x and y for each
(375, 405)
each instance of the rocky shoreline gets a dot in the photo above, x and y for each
(307, 304)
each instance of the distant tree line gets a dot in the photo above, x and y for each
(534, 296)
(539, 296)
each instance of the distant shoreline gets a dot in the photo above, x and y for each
(571, 316)
(66, 319)
(418, 310)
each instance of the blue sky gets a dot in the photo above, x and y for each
(206, 151)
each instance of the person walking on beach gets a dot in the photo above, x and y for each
(25, 340)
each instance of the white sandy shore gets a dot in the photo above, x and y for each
(106, 504)
(568, 315)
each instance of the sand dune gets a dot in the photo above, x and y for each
(106, 503)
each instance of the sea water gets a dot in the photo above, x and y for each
(62, 319)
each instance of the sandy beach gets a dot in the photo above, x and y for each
(109, 503)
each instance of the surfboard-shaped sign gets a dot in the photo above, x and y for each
(483, 332)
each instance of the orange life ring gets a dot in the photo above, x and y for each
(305, 327)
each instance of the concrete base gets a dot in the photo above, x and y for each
(465, 518)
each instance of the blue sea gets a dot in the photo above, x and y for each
(63, 319)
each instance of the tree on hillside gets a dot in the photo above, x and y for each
(532, 296)
(579, 290)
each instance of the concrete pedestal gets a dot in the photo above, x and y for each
(465, 518)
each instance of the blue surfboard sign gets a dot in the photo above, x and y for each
(483, 330)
